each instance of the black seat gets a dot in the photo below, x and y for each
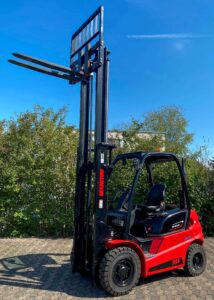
(155, 199)
(156, 218)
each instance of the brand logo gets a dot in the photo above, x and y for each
(101, 182)
(177, 225)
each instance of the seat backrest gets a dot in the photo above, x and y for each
(156, 195)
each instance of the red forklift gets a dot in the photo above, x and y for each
(128, 224)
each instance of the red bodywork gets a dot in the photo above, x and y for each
(168, 252)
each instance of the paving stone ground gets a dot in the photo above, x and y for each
(40, 269)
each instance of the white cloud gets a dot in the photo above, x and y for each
(166, 36)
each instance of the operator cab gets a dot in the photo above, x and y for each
(147, 195)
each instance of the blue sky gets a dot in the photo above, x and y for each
(162, 53)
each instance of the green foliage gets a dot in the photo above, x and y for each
(167, 122)
(207, 209)
(37, 171)
(120, 181)
(38, 162)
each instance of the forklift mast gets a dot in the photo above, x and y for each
(89, 66)
(89, 54)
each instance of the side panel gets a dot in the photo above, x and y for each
(170, 252)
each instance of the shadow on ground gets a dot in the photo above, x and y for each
(52, 272)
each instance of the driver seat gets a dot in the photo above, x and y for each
(155, 199)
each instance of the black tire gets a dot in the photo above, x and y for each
(119, 271)
(195, 260)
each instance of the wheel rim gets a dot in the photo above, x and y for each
(197, 261)
(123, 272)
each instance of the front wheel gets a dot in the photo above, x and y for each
(195, 260)
(119, 271)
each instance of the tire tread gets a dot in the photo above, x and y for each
(194, 248)
(104, 267)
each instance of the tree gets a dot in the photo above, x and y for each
(207, 208)
(37, 169)
(168, 121)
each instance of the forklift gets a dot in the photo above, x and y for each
(126, 225)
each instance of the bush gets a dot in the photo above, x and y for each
(38, 168)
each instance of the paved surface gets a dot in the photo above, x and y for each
(40, 269)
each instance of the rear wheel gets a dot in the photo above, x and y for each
(195, 260)
(119, 271)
